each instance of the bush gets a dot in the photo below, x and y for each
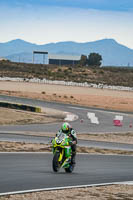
(71, 97)
(59, 70)
(43, 92)
(101, 72)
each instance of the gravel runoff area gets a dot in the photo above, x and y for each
(89, 97)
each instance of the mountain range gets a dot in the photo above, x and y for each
(113, 53)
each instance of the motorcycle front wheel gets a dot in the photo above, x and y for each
(70, 169)
(55, 163)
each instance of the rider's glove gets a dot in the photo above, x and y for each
(71, 142)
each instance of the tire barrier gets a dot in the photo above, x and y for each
(20, 107)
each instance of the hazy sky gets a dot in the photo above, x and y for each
(44, 21)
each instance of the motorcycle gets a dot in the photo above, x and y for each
(62, 153)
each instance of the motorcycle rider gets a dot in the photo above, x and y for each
(67, 129)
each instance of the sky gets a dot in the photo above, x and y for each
(46, 21)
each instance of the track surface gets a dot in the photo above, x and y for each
(27, 171)
(33, 171)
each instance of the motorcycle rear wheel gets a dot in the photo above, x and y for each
(55, 163)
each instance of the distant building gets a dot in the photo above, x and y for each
(63, 59)
(44, 58)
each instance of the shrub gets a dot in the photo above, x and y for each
(59, 70)
(101, 72)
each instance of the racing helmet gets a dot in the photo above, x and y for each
(65, 127)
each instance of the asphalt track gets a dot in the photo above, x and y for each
(28, 171)
(105, 118)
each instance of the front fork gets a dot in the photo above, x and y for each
(63, 162)
(60, 152)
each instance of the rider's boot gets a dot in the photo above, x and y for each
(73, 158)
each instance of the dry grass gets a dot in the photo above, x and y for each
(105, 75)
(25, 147)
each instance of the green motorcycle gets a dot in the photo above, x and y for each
(62, 153)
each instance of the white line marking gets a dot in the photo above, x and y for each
(93, 118)
(119, 117)
(127, 183)
(62, 188)
(70, 117)
(78, 108)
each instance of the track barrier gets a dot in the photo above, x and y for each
(20, 107)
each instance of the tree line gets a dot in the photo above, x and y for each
(93, 59)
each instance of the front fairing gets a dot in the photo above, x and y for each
(61, 144)
(61, 140)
